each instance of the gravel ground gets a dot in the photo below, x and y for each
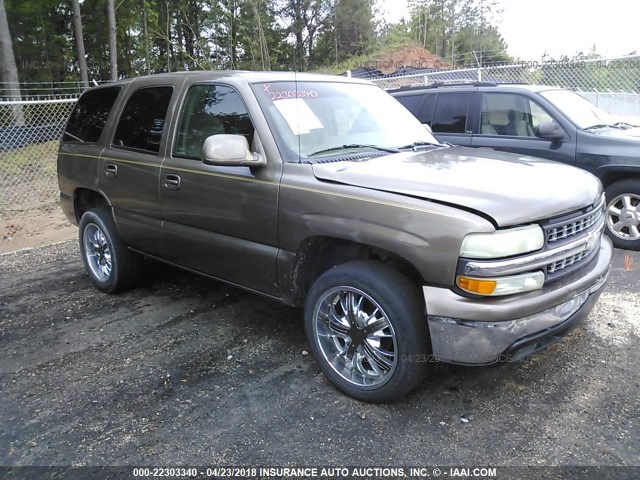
(187, 371)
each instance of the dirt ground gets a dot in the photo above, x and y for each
(36, 229)
(187, 371)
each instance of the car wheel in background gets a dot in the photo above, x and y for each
(623, 214)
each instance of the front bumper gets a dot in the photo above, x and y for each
(489, 330)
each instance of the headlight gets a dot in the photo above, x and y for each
(503, 243)
(498, 286)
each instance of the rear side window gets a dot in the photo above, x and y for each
(90, 114)
(450, 115)
(422, 110)
(410, 102)
(142, 120)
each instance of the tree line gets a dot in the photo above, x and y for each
(55, 41)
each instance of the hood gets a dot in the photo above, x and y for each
(510, 188)
(632, 134)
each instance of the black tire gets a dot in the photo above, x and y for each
(614, 193)
(126, 266)
(400, 301)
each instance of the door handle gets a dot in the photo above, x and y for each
(111, 170)
(171, 181)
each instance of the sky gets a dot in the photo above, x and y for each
(558, 27)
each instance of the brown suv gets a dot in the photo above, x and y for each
(324, 192)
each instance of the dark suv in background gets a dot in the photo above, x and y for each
(546, 122)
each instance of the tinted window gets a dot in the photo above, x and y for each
(210, 110)
(422, 110)
(143, 119)
(426, 112)
(90, 114)
(411, 102)
(450, 115)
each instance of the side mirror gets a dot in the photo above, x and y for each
(230, 151)
(427, 128)
(549, 130)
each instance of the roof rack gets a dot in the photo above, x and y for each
(461, 84)
(447, 84)
(456, 84)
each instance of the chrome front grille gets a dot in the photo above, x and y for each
(566, 262)
(573, 242)
(567, 229)
(570, 229)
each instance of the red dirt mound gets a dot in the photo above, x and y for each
(413, 55)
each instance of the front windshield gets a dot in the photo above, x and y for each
(579, 110)
(313, 120)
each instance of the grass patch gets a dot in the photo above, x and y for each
(40, 158)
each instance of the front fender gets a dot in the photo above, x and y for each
(615, 170)
(403, 243)
(428, 235)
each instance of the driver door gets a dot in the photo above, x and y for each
(221, 221)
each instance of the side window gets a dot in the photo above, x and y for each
(510, 114)
(426, 114)
(450, 114)
(210, 110)
(89, 116)
(411, 102)
(538, 115)
(143, 118)
(423, 111)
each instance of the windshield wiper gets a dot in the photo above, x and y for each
(602, 125)
(415, 145)
(355, 145)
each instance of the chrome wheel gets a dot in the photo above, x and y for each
(623, 216)
(355, 337)
(97, 252)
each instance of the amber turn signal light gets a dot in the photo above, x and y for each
(474, 285)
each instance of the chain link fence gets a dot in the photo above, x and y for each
(30, 130)
(29, 137)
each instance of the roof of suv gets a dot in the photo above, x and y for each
(248, 76)
(474, 86)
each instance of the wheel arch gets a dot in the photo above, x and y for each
(317, 254)
(611, 174)
(85, 199)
